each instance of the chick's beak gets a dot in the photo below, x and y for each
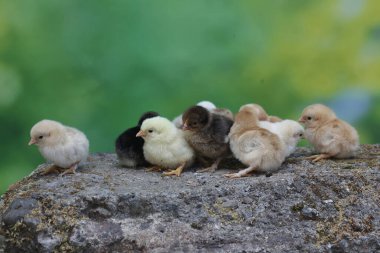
(301, 120)
(141, 133)
(32, 141)
(185, 126)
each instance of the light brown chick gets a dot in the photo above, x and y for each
(262, 114)
(255, 147)
(330, 136)
(274, 119)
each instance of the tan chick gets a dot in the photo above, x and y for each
(255, 147)
(330, 136)
(61, 145)
(262, 114)
(165, 145)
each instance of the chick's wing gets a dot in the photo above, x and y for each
(249, 142)
(330, 133)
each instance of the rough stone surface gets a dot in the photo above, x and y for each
(330, 206)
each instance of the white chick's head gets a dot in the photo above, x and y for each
(157, 129)
(315, 115)
(47, 133)
(260, 112)
(291, 132)
(207, 104)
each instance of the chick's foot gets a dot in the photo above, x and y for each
(51, 169)
(177, 172)
(232, 175)
(71, 170)
(316, 158)
(212, 168)
(154, 169)
(243, 173)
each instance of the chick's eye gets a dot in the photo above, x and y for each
(150, 131)
(301, 135)
(309, 118)
(40, 137)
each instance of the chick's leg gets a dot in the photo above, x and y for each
(212, 168)
(177, 172)
(242, 173)
(154, 169)
(311, 157)
(71, 170)
(50, 170)
(321, 157)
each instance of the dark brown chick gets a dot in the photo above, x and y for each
(207, 134)
(224, 112)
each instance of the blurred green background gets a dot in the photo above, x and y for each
(97, 65)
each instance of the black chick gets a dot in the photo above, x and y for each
(129, 148)
(207, 134)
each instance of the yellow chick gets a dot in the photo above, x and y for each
(255, 147)
(61, 145)
(330, 136)
(165, 145)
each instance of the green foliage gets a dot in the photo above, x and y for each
(97, 66)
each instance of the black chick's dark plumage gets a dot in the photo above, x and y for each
(207, 133)
(129, 148)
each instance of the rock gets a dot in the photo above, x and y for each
(309, 213)
(329, 206)
(95, 236)
(18, 210)
(328, 201)
(2, 243)
(47, 241)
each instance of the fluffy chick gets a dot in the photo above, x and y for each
(262, 114)
(289, 131)
(129, 148)
(255, 147)
(205, 104)
(224, 112)
(207, 134)
(61, 145)
(330, 136)
(165, 145)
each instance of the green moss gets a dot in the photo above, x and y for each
(53, 217)
(226, 215)
(297, 207)
(334, 230)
